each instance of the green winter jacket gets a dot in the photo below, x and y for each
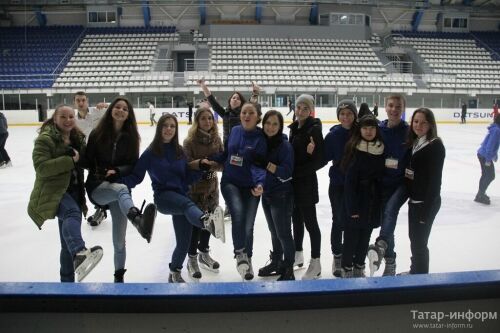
(53, 169)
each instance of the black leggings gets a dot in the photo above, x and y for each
(306, 215)
(199, 241)
(487, 175)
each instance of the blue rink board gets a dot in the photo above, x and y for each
(247, 296)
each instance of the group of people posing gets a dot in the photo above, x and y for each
(375, 168)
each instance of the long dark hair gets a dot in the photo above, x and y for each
(356, 138)
(156, 145)
(274, 141)
(242, 99)
(429, 116)
(105, 131)
(75, 135)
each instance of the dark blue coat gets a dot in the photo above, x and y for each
(335, 142)
(282, 156)
(395, 147)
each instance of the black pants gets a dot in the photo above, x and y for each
(487, 175)
(199, 241)
(356, 242)
(336, 195)
(419, 235)
(4, 156)
(306, 215)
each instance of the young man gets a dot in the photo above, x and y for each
(87, 119)
(394, 132)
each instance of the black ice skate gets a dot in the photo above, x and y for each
(99, 216)
(144, 222)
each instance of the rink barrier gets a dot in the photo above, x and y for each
(258, 295)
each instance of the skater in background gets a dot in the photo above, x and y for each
(4, 134)
(112, 151)
(423, 177)
(242, 183)
(231, 114)
(394, 132)
(152, 113)
(463, 115)
(363, 165)
(487, 154)
(307, 141)
(335, 142)
(203, 140)
(291, 108)
(364, 110)
(87, 119)
(277, 200)
(495, 113)
(170, 174)
(190, 113)
(59, 191)
(375, 110)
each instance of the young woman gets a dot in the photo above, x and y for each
(335, 142)
(167, 166)
(487, 154)
(112, 151)
(277, 200)
(307, 141)
(423, 177)
(363, 164)
(242, 183)
(59, 191)
(203, 140)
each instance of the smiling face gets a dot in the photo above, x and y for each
(346, 118)
(81, 102)
(168, 130)
(271, 126)
(302, 112)
(394, 109)
(249, 117)
(64, 119)
(119, 113)
(420, 125)
(206, 121)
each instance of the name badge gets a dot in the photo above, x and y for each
(391, 163)
(409, 173)
(236, 160)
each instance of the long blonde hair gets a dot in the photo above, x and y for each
(196, 124)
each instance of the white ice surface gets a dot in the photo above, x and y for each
(465, 235)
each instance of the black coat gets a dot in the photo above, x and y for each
(363, 188)
(230, 117)
(305, 181)
(101, 158)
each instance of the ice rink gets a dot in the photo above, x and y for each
(465, 234)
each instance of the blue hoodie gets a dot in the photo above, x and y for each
(282, 156)
(243, 144)
(335, 142)
(395, 147)
(167, 173)
(489, 146)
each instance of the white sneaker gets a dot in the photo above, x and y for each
(214, 222)
(193, 268)
(299, 259)
(86, 260)
(314, 270)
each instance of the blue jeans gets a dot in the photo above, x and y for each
(185, 215)
(243, 207)
(393, 198)
(69, 215)
(278, 208)
(117, 197)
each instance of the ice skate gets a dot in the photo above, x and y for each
(193, 268)
(358, 271)
(346, 273)
(482, 198)
(206, 262)
(299, 259)
(242, 264)
(390, 267)
(99, 216)
(119, 274)
(337, 265)
(86, 260)
(375, 254)
(227, 215)
(249, 274)
(175, 277)
(313, 271)
(272, 267)
(214, 223)
(144, 222)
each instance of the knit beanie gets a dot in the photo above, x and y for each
(347, 104)
(307, 100)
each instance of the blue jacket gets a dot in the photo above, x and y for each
(489, 146)
(246, 145)
(282, 156)
(167, 173)
(335, 142)
(395, 147)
